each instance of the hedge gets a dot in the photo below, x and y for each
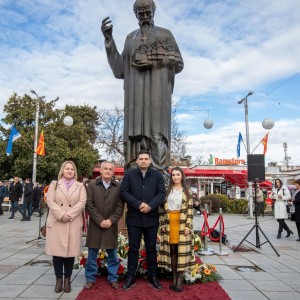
(232, 206)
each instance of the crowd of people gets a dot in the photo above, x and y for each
(24, 197)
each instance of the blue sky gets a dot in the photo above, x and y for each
(229, 48)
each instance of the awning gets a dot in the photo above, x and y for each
(235, 177)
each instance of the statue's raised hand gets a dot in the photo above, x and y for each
(107, 28)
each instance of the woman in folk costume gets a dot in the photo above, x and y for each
(66, 199)
(176, 220)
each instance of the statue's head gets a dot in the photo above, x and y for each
(144, 11)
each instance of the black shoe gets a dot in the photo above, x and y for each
(23, 219)
(28, 219)
(10, 218)
(155, 283)
(128, 283)
(289, 232)
(279, 236)
(298, 240)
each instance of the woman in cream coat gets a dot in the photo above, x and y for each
(281, 195)
(66, 199)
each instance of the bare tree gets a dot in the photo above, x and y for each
(110, 134)
(200, 160)
(178, 137)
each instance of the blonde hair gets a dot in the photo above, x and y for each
(61, 171)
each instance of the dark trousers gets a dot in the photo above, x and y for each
(135, 235)
(298, 229)
(282, 225)
(63, 266)
(14, 208)
(27, 206)
(1, 210)
(261, 208)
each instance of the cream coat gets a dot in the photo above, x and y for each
(64, 239)
(280, 203)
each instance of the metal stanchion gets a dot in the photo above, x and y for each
(206, 250)
(221, 252)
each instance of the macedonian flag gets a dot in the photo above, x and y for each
(264, 141)
(40, 150)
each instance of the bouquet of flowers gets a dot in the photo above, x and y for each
(198, 245)
(202, 273)
(101, 259)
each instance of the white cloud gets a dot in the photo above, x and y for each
(229, 47)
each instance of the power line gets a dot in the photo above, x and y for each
(281, 84)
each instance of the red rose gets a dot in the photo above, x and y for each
(120, 270)
(82, 261)
(143, 253)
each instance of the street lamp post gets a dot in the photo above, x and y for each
(245, 100)
(37, 112)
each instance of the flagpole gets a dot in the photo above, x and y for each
(37, 112)
(245, 100)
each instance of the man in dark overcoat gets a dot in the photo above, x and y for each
(15, 195)
(105, 208)
(143, 190)
(27, 202)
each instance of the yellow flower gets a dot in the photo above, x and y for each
(101, 256)
(213, 268)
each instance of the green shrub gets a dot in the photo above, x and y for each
(218, 201)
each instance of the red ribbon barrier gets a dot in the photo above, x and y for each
(210, 230)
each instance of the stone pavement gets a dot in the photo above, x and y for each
(25, 272)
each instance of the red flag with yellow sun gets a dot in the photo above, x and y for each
(40, 149)
(264, 141)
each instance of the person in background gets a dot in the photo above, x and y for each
(260, 200)
(143, 190)
(15, 195)
(105, 208)
(36, 198)
(66, 199)
(296, 202)
(3, 194)
(281, 195)
(27, 203)
(196, 203)
(176, 222)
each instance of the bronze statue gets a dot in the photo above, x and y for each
(148, 65)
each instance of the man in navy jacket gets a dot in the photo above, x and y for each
(144, 191)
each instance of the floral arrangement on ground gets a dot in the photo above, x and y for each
(201, 272)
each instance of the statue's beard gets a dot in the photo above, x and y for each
(146, 23)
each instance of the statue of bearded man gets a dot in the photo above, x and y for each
(148, 64)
